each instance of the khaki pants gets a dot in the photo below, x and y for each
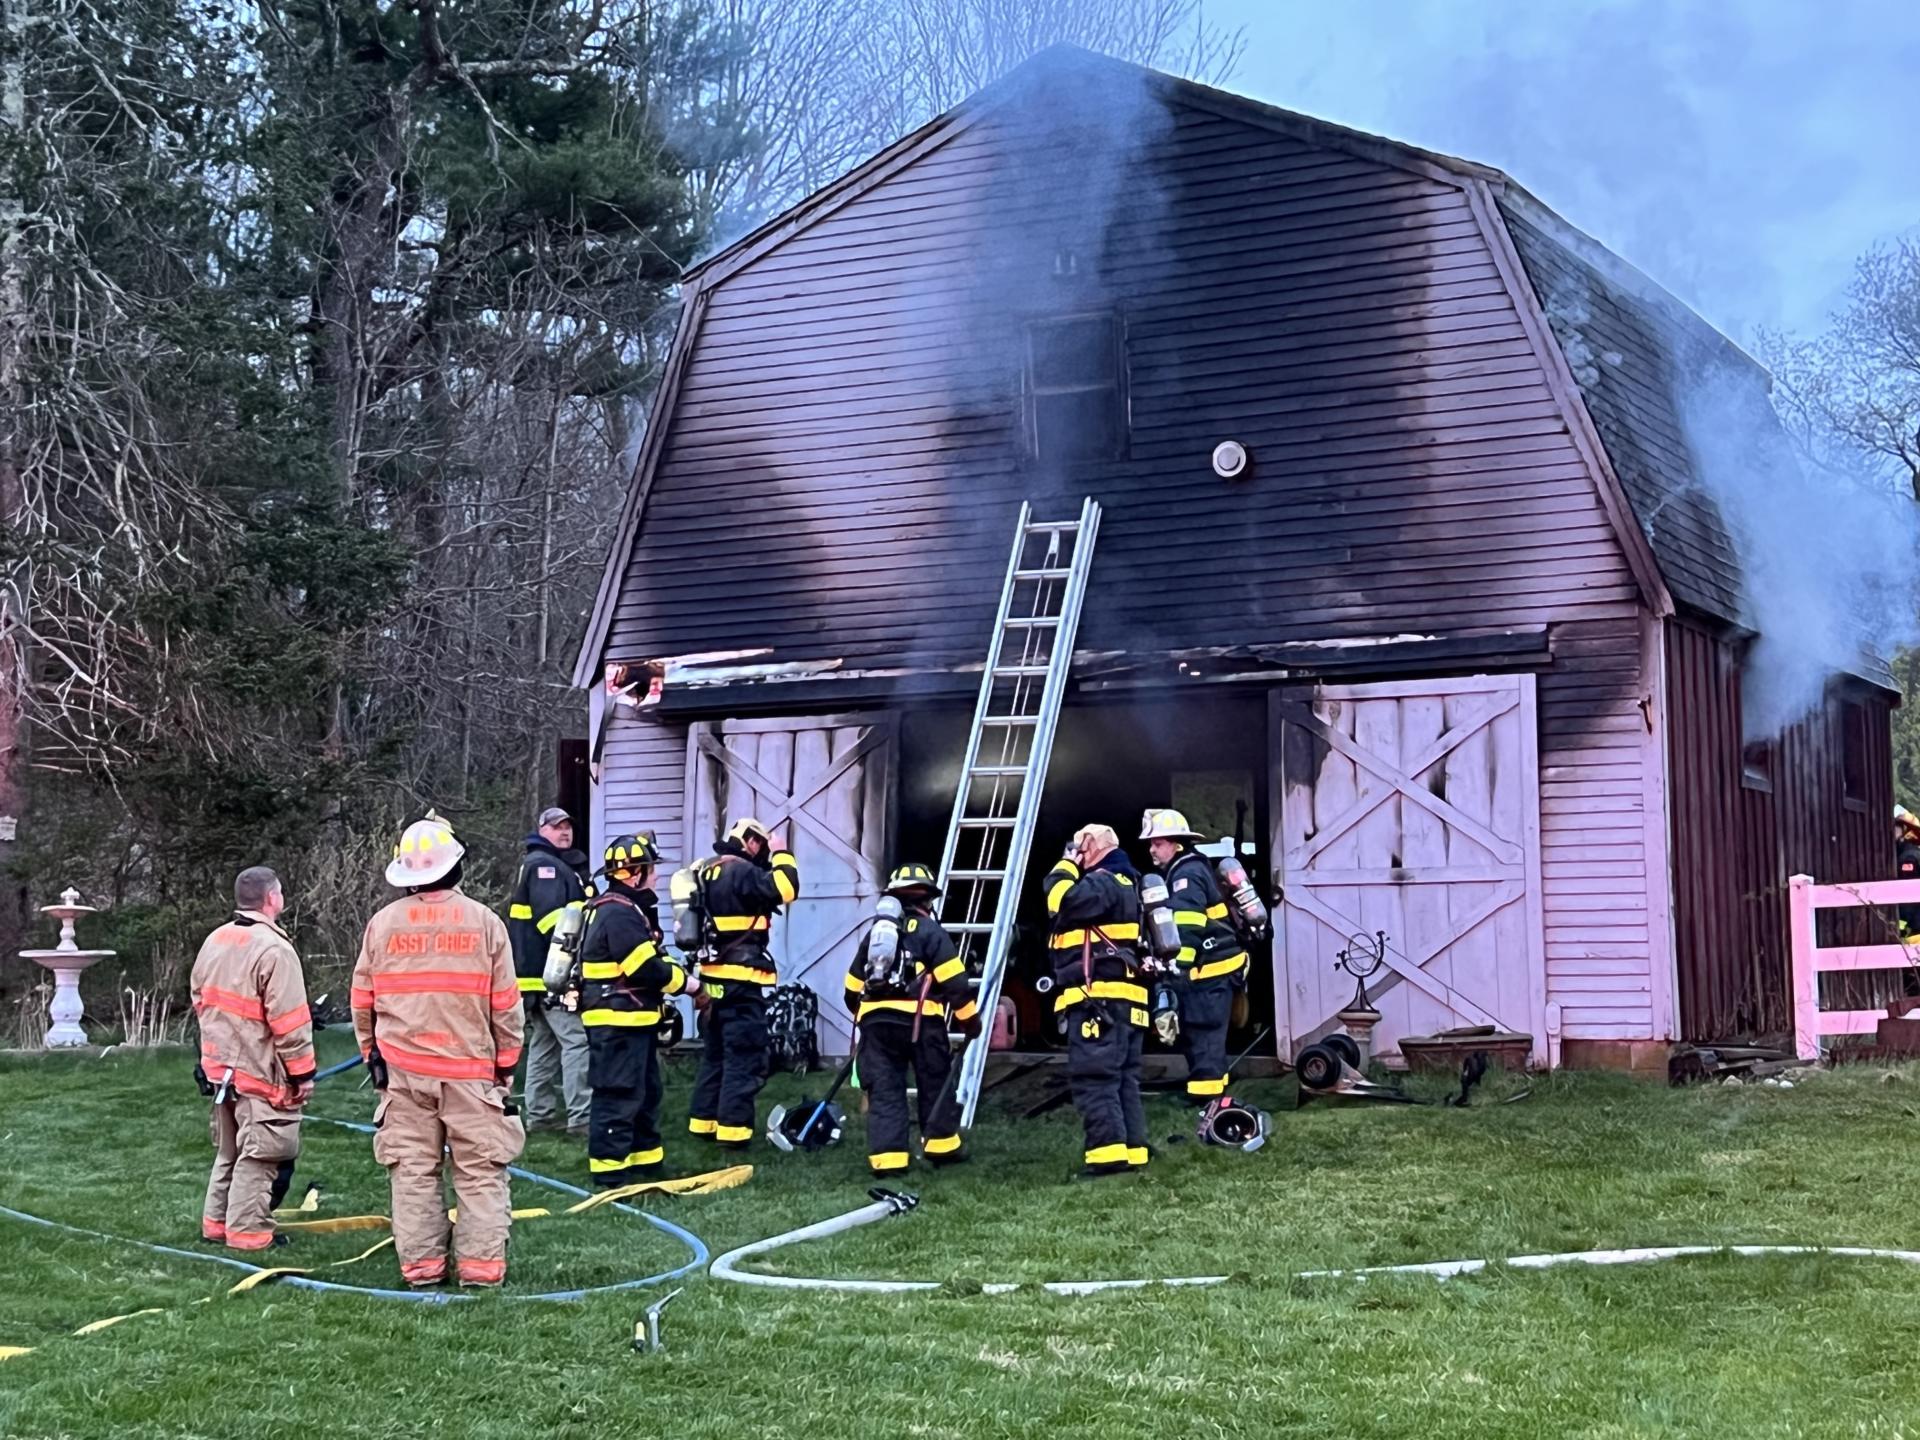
(419, 1119)
(252, 1144)
(557, 1061)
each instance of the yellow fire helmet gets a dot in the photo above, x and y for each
(1166, 825)
(427, 852)
(913, 879)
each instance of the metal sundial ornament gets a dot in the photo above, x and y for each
(1362, 959)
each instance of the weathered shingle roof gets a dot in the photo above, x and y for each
(1632, 354)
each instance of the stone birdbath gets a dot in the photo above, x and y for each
(66, 961)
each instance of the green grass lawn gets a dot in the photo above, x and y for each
(1721, 1347)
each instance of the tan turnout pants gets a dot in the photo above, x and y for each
(417, 1120)
(251, 1141)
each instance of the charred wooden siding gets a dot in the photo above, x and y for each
(1735, 844)
(845, 458)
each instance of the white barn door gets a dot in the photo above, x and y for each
(825, 784)
(1411, 807)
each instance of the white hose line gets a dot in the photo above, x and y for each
(727, 1266)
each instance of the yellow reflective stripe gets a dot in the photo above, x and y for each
(888, 1160)
(946, 972)
(751, 974)
(598, 970)
(676, 982)
(735, 924)
(700, 1127)
(1137, 1155)
(941, 1145)
(532, 985)
(1072, 939)
(855, 985)
(1101, 990)
(1189, 917)
(621, 1019)
(785, 868)
(1217, 912)
(547, 921)
(1057, 892)
(517, 911)
(638, 1157)
(638, 956)
(1186, 955)
(732, 1134)
(1107, 1154)
(1207, 1087)
(910, 1007)
(783, 857)
(1216, 968)
(967, 1011)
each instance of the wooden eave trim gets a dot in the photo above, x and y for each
(1573, 405)
(639, 486)
(855, 183)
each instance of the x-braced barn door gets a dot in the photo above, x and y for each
(1411, 807)
(825, 783)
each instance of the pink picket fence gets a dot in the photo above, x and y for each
(1812, 960)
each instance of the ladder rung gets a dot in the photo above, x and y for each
(1020, 669)
(997, 771)
(1042, 574)
(987, 822)
(1046, 525)
(1009, 719)
(1031, 622)
(966, 928)
(999, 875)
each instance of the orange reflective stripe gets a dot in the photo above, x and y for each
(211, 1229)
(420, 1271)
(360, 999)
(483, 1272)
(506, 999)
(507, 1059)
(249, 1239)
(233, 1003)
(433, 982)
(291, 1021)
(440, 1067)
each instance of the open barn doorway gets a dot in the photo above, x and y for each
(1206, 755)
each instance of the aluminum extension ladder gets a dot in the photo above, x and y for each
(1005, 772)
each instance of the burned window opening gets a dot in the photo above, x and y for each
(1853, 754)
(1076, 389)
(1756, 765)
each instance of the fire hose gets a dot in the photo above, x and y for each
(887, 1204)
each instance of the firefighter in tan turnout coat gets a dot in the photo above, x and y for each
(436, 1009)
(256, 1061)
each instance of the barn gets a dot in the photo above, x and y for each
(1455, 653)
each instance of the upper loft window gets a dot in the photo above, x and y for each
(1853, 754)
(1756, 764)
(1076, 390)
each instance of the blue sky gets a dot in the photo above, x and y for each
(1742, 152)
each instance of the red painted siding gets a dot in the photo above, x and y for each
(844, 460)
(1735, 845)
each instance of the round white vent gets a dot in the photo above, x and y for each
(1229, 459)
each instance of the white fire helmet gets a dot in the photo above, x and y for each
(1166, 825)
(427, 852)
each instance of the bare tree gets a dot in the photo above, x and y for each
(1852, 393)
(13, 120)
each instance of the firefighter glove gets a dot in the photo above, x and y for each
(200, 1079)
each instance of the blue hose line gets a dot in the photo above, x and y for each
(341, 1068)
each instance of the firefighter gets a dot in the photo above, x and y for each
(627, 978)
(1212, 961)
(256, 1061)
(750, 876)
(906, 984)
(436, 1009)
(549, 885)
(1093, 912)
